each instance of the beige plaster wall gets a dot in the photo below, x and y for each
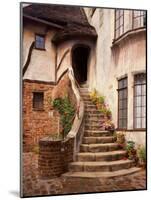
(114, 62)
(42, 63)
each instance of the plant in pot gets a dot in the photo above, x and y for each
(120, 139)
(141, 152)
(108, 125)
(131, 151)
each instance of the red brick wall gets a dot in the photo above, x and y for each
(37, 124)
(54, 157)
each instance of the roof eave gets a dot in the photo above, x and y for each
(43, 21)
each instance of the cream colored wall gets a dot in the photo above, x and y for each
(42, 63)
(115, 62)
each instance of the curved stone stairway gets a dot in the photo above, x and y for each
(100, 155)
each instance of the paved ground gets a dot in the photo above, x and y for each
(32, 186)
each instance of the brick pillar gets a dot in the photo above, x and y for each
(50, 161)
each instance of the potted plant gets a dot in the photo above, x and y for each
(131, 151)
(108, 125)
(142, 156)
(120, 139)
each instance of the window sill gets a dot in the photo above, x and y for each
(127, 35)
(41, 49)
(40, 109)
(132, 130)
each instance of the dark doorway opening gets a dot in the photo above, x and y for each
(80, 57)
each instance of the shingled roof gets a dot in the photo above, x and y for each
(72, 19)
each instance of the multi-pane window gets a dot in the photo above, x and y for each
(38, 100)
(139, 18)
(39, 41)
(122, 103)
(139, 101)
(119, 22)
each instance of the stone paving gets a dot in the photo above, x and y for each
(33, 186)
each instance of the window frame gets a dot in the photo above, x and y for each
(43, 36)
(118, 90)
(35, 108)
(140, 18)
(134, 104)
(120, 25)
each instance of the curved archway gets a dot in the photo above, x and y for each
(80, 56)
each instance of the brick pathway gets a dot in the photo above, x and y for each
(32, 186)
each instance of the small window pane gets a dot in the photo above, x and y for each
(143, 89)
(38, 98)
(143, 122)
(122, 103)
(139, 19)
(138, 90)
(40, 42)
(139, 100)
(138, 122)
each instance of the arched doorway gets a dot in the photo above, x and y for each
(80, 56)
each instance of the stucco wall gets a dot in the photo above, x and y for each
(116, 61)
(42, 63)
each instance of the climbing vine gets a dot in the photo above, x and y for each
(67, 113)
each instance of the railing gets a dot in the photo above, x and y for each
(76, 131)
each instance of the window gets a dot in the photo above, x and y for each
(139, 18)
(119, 22)
(39, 41)
(38, 100)
(139, 101)
(122, 103)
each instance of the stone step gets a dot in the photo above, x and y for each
(93, 140)
(94, 121)
(94, 127)
(98, 123)
(89, 103)
(101, 156)
(99, 147)
(89, 112)
(90, 106)
(98, 133)
(100, 166)
(94, 115)
(122, 172)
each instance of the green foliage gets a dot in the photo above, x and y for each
(131, 152)
(99, 101)
(120, 138)
(109, 125)
(130, 145)
(67, 112)
(142, 154)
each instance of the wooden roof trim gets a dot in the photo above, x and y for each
(43, 21)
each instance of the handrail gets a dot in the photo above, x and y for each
(29, 57)
(76, 130)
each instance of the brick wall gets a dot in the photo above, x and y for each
(37, 124)
(54, 157)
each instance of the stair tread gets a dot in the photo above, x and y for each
(99, 145)
(98, 131)
(101, 163)
(100, 137)
(103, 153)
(109, 174)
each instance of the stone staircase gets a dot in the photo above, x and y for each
(100, 155)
